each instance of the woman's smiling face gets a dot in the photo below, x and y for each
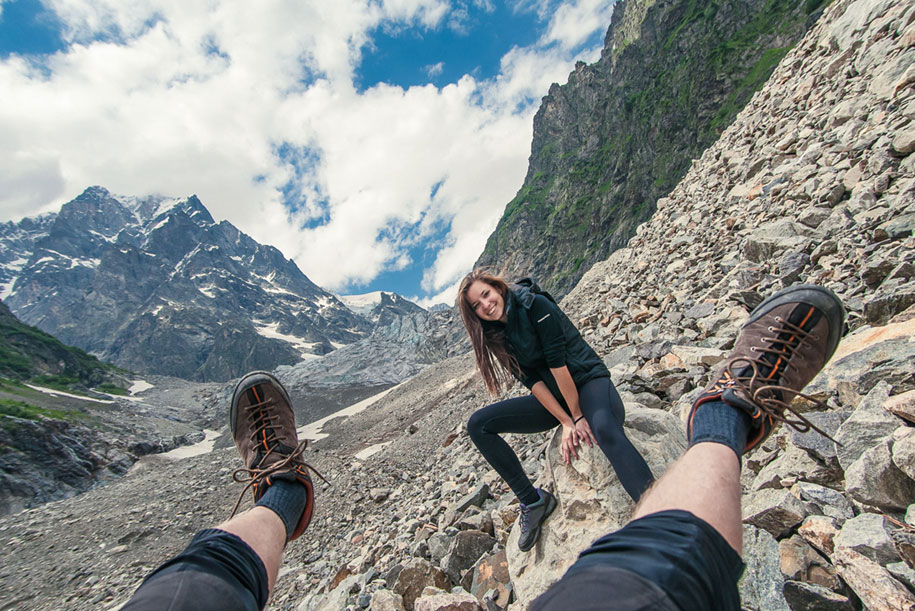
(486, 301)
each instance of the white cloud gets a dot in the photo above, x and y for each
(189, 98)
(434, 69)
(574, 22)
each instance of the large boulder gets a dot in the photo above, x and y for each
(874, 479)
(868, 356)
(871, 582)
(866, 427)
(762, 580)
(592, 502)
(415, 577)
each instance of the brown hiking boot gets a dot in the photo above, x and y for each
(263, 425)
(787, 340)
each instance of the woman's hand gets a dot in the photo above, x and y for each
(584, 432)
(568, 447)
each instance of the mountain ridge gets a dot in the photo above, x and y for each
(154, 284)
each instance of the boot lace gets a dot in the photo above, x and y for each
(750, 375)
(263, 434)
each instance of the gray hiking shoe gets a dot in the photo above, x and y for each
(532, 518)
(787, 340)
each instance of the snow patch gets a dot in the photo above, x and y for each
(361, 304)
(371, 450)
(139, 386)
(90, 263)
(165, 205)
(51, 391)
(269, 330)
(208, 290)
(7, 289)
(195, 449)
(313, 431)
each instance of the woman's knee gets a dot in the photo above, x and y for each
(476, 425)
(606, 429)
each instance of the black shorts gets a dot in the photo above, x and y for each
(216, 572)
(668, 561)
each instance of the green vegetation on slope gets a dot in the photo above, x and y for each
(27, 353)
(621, 135)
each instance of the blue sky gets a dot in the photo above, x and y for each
(375, 142)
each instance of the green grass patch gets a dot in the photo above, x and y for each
(57, 382)
(27, 411)
(111, 389)
(12, 385)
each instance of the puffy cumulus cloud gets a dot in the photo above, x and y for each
(253, 107)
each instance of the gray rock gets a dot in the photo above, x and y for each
(795, 464)
(379, 495)
(816, 444)
(447, 602)
(415, 577)
(889, 301)
(476, 497)
(897, 228)
(867, 534)
(390, 578)
(762, 581)
(475, 519)
(867, 426)
(904, 542)
(439, 544)
(775, 511)
(771, 238)
(870, 356)
(385, 600)
(802, 596)
(904, 451)
(467, 547)
(903, 573)
(871, 582)
(829, 502)
(875, 480)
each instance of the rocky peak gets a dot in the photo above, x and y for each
(155, 285)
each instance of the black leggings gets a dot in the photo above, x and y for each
(602, 408)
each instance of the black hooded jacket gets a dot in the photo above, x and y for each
(541, 336)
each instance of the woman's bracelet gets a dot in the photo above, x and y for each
(577, 419)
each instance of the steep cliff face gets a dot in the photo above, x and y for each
(623, 131)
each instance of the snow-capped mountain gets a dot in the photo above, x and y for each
(381, 307)
(156, 285)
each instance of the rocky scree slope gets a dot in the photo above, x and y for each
(622, 131)
(813, 182)
(156, 286)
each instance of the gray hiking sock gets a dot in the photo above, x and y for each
(718, 422)
(286, 499)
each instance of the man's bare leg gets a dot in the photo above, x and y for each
(265, 533)
(705, 481)
(681, 550)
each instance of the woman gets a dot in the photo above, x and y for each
(523, 334)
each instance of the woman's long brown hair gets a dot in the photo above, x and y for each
(495, 362)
